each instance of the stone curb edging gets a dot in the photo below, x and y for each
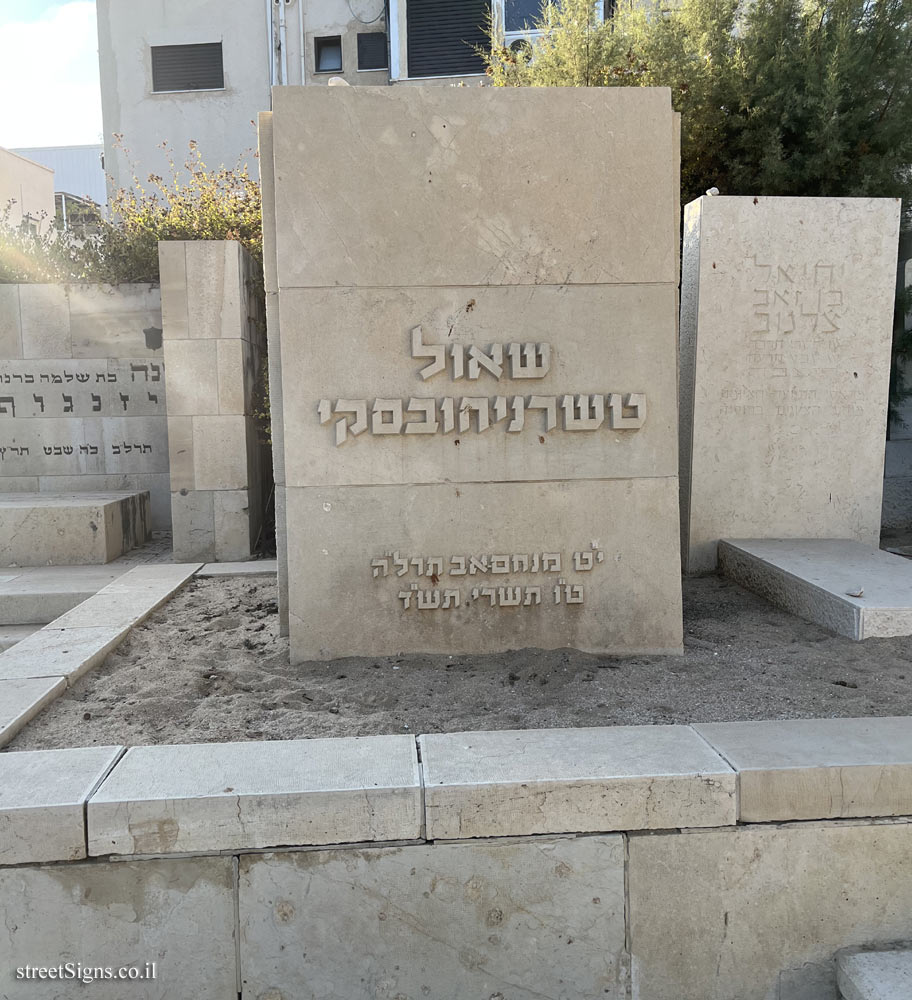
(208, 798)
(40, 667)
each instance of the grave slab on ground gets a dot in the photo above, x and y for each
(71, 529)
(42, 799)
(168, 799)
(850, 588)
(875, 975)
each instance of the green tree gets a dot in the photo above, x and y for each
(777, 97)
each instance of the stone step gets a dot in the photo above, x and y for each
(850, 588)
(875, 975)
(71, 529)
(11, 634)
(36, 595)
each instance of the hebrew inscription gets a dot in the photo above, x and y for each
(613, 411)
(793, 298)
(497, 593)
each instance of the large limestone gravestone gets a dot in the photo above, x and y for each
(478, 368)
(786, 329)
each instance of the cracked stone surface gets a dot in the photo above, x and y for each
(171, 799)
(540, 920)
(511, 783)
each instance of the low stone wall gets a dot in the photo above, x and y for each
(654, 862)
(82, 391)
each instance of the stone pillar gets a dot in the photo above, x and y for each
(786, 330)
(214, 335)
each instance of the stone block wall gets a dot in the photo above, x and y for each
(82, 391)
(652, 863)
(214, 340)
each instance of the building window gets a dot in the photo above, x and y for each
(521, 15)
(372, 50)
(187, 67)
(443, 36)
(328, 54)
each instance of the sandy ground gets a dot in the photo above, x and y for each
(211, 667)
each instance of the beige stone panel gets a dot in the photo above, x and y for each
(232, 376)
(787, 343)
(178, 913)
(45, 319)
(818, 768)
(213, 289)
(142, 380)
(231, 516)
(192, 367)
(523, 920)
(20, 484)
(758, 913)
(631, 600)
(172, 267)
(60, 446)
(478, 197)
(193, 525)
(349, 344)
(180, 452)
(10, 323)
(115, 320)
(220, 452)
(135, 444)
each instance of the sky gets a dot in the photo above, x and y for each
(49, 93)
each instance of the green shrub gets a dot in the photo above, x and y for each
(194, 204)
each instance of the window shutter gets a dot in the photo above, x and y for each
(443, 34)
(187, 67)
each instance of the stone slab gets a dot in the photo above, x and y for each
(177, 913)
(603, 340)
(224, 796)
(21, 699)
(451, 152)
(875, 975)
(42, 800)
(255, 567)
(797, 769)
(517, 783)
(61, 652)
(36, 595)
(11, 634)
(626, 529)
(519, 920)
(820, 580)
(758, 912)
(786, 333)
(65, 529)
(130, 599)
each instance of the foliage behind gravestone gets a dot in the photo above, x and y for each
(777, 97)
(196, 204)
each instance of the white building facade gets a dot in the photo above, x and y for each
(173, 71)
